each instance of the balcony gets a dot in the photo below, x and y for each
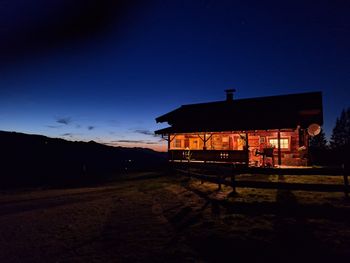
(226, 156)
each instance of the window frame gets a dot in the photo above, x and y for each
(175, 143)
(282, 138)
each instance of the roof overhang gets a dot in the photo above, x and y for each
(265, 113)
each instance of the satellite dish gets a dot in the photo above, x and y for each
(314, 129)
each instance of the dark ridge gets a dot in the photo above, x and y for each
(33, 160)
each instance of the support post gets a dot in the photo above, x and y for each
(169, 143)
(346, 182)
(205, 146)
(169, 147)
(307, 143)
(279, 147)
(247, 149)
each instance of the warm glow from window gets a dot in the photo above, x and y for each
(284, 143)
(177, 143)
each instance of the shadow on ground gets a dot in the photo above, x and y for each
(285, 230)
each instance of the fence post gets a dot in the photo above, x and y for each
(202, 181)
(233, 179)
(346, 182)
(188, 155)
(219, 181)
(188, 168)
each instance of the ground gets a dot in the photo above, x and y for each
(157, 217)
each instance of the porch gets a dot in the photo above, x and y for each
(252, 148)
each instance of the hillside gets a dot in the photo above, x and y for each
(36, 159)
(161, 217)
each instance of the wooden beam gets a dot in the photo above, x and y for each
(247, 148)
(168, 142)
(201, 137)
(169, 138)
(170, 154)
(279, 147)
(205, 139)
(220, 180)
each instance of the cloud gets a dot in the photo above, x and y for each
(151, 142)
(64, 120)
(53, 126)
(134, 141)
(70, 135)
(67, 134)
(144, 131)
(91, 127)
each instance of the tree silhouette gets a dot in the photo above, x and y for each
(340, 138)
(319, 152)
(319, 141)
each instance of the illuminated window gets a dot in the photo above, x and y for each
(195, 144)
(283, 141)
(187, 143)
(225, 139)
(177, 143)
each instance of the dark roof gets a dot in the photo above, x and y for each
(273, 112)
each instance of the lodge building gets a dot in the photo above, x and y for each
(264, 131)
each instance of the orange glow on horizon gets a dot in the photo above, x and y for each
(159, 147)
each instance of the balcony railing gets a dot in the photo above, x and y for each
(228, 156)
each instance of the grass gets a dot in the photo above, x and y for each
(152, 217)
(151, 186)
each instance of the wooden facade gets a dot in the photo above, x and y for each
(282, 144)
(231, 147)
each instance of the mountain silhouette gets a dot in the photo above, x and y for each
(39, 160)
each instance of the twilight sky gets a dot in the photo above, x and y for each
(103, 70)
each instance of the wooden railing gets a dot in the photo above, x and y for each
(229, 156)
(226, 175)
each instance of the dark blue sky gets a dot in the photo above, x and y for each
(103, 70)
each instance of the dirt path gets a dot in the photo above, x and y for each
(170, 219)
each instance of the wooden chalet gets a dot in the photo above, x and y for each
(264, 131)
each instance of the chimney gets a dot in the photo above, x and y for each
(229, 94)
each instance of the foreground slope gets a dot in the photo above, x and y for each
(153, 217)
